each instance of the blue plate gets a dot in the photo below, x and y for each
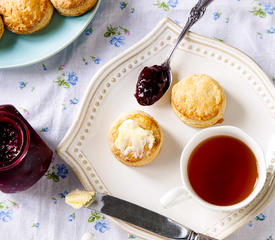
(21, 50)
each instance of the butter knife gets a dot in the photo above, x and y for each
(143, 218)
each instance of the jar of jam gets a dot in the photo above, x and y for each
(24, 156)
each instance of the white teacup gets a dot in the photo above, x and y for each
(181, 193)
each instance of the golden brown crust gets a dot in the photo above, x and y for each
(145, 121)
(1, 27)
(26, 16)
(68, 4)
(73, 7)
(198, 100)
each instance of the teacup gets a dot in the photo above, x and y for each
(186, 191)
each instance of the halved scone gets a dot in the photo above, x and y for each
(135, 138)
(26, 16)
(1, 27)
(198, 100)
(73, 8)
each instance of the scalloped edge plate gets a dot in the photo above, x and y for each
(159, 41)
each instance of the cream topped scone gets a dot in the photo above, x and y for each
(132, 139)
(79, 198)
(135, 138)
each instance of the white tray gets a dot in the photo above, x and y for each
(250, 106)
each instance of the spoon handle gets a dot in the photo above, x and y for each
(195, 14)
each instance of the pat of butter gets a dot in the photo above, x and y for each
(132, 138)
(78, 199)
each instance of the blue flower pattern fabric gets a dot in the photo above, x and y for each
(123, 5)
(58, 84)
(62, 170)
(89, 31)
(72, 78)
(45, 129)
(22, 84)
(57, 172)
(63, 195)
(7, 210)
(102, 226)
(216, 15)
(36, 225)
(117, 41)
(6, 216)
(115, 35)
(71, 217)
(74, 101)
(269, 8)
(172, 3)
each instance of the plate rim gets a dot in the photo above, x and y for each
(113, 64)
(92, 13)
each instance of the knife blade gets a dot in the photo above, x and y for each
(143, 218)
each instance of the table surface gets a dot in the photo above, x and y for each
(49, 94)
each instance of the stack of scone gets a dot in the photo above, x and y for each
(135, 138)
(29, 16)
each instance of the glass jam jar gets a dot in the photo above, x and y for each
(24, 156)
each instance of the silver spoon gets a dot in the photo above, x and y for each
(154, 81)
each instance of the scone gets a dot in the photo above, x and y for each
(198, 100)
(1, 27)
(73, 8)
(135, 138)
(26, 16)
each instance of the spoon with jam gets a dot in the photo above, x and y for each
(154, 81)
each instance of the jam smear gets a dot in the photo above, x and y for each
(152, 84)
(10, 142)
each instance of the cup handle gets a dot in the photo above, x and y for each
(173, 197)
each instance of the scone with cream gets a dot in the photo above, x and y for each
(1, 27)
(26, 16)
(198, 100)
(135, 138)
(73, 8)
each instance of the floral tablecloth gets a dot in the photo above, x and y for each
(49, 95)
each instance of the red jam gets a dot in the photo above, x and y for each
(24, 157)
(152, 83)
(11, 141)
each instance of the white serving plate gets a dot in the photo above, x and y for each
(250, 106)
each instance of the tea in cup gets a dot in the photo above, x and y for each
(222, 168)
